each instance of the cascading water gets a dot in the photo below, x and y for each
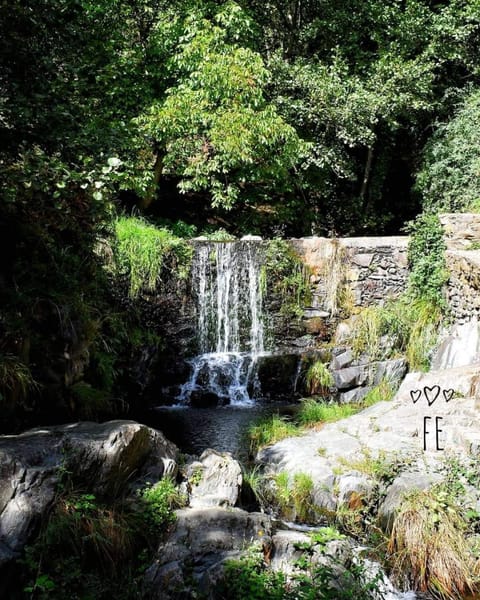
(230, 321)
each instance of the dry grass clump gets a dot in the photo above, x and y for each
(429, 548)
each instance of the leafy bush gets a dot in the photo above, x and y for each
(449, 179)
(426, 257)
(159, 501)
(142, 251)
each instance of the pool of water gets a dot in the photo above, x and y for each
(224, 429)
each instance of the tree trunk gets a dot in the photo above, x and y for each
(152, 189)
(366, 175)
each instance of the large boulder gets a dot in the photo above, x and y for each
(388, 436)
(202, 540)
(102, 458)
(460, 348)
(214, 480)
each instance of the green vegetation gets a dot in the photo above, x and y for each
(284, 280)
(314, 412)
(250, 578)
(16, 379)
(428, 546)
(448, 179)
(88, 548)
(426, 257)
(318, 378)
(406, 326)
(142, 251)
(382, 392)
(270, 430)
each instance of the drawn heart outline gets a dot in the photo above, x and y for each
(431, 393)
(448, 395)
(415, 395)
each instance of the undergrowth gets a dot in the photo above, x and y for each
(89, 549)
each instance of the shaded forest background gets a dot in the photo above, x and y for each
(274, 118)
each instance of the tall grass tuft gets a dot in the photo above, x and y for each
(428, 546)
(270, 430)
(313, 412)
(142, 251)
(15, 378)
(403, 326)
(318, 378)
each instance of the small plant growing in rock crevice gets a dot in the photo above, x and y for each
(318, 378)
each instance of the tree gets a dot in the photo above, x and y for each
(449, 179)
(215, 130)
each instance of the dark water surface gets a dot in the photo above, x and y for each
(223, 429)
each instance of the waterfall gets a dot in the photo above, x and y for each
(230, 322)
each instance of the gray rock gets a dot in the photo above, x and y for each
(199, 544)
(340, 361)
(286, 550)
(461, 348)
(100, 457)
(215, 480)
(391, 370)
(354, 396)
(346, 379)
(354, 485)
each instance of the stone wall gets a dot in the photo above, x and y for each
(349, 273)
(463, 289)
(462, 236)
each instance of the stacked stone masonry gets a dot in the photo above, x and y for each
(354, 272)
(462, 237)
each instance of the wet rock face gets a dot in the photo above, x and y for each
(100, 457)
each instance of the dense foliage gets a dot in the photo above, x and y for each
(274, 118)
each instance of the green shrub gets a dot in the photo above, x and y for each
(142, 251)
(159, 501)
(406, 326)
(249, 579)
(426, 257)
(285, 280)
